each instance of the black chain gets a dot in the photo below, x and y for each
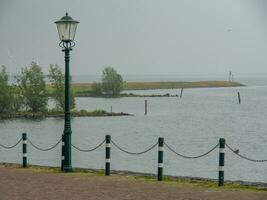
(191, 157)
(10, 147)
(42, 149)
(242, 156)
(88, 150)
(134, 153)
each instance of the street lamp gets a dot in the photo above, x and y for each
(66, 27)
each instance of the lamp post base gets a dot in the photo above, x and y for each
(67, 169)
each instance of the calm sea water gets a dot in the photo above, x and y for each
(191, 125)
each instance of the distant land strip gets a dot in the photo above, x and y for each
(178, 85)
(86, 88)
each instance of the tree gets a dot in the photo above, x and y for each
(33, 88)
(96, 88)
(17, 97)
(112, 82)
(57, 78)
(6, 97)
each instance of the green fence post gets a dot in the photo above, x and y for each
(221, 161)
(62, 152)
(107, 170)
(160, 159)
(24, 150)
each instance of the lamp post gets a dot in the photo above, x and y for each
(66, 27)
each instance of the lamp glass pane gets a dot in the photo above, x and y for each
(73, 27)
(63, 31)
(66, 30)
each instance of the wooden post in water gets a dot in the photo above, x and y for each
(181, 94)
(110, 109)
(239, 97)
(145, 107)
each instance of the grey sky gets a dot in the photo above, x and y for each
(139, 36)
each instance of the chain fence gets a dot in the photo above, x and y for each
(190, 157)
(242, 156)
(10, 147)
(134, 153)
(44, 149)
(89, 150)
(160, 143)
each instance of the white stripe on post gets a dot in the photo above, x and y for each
(160, 165)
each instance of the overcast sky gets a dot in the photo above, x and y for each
(197, 37)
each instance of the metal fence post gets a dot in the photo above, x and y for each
(107, 170)
(221, 161)
(160, 159)
(24, 150)
(62, 152)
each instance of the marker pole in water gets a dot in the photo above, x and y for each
(145, 107)
(24, 150)
(239, 97)
(221, 161)
(160, 159)
(181, 94)
(107, 170)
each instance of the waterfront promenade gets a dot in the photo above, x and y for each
(26, 184)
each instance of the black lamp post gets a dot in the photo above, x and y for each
(66, 27)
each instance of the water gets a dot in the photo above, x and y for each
(191, 125)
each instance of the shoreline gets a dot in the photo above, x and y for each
(125, 95)
(206, 182)
(87, 87)
(81, 113)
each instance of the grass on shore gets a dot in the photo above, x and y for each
(82, 88)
